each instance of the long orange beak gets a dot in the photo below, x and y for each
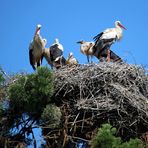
(122, 26)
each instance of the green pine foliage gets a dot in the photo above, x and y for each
(1, 92)
(31, 93)
(1, 109)
(51, 115)
(133, 143)
(1, 77)
(105, 139)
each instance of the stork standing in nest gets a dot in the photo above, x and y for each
(54, 55)
(87, 49)
(71, 60)
(36, 49)
(106, 38)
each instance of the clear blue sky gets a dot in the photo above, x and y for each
(70, 21)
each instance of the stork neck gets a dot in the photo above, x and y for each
(119, 32)
(71, 56)
(37, 32)
(118, 27)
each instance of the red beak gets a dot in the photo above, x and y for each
(121, 26)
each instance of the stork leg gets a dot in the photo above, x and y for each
(61, 62)
(88, 58)
(33, 67)
(108, 55)
(38, 63)
(91, 59)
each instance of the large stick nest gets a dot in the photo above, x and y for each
(104, 92)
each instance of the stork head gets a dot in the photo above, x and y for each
(38, 27)
(118, 24)
(80, 42)
(70, 54)
(44, 41)
(56, 41)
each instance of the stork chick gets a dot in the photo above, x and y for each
(71, 60)
(87, 48)
(102, 55)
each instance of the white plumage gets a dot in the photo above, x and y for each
(71, 60)
(59, 46)
(36, 48)
(110, 35)
(106, 38)
(113, 32)
(87, 48)
(54, 54)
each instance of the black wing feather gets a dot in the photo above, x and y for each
(97, 37)
(55, 52)
(31, 59)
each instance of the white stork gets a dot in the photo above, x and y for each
(106, 38)
(71, 60)
(54, 54)
(36, 48)
(87, 48)
(56, 50)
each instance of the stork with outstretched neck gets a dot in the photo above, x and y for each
(86, 48)
(36, 48)
(106, 38)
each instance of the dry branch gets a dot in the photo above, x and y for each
(100, 93)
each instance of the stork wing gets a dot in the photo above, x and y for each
(106, 34)
(97, 37)
(114, 57)
(109, 34)
(31, 58)
(46, 54)
(60, 46)
(31, 45)
(55, 52)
